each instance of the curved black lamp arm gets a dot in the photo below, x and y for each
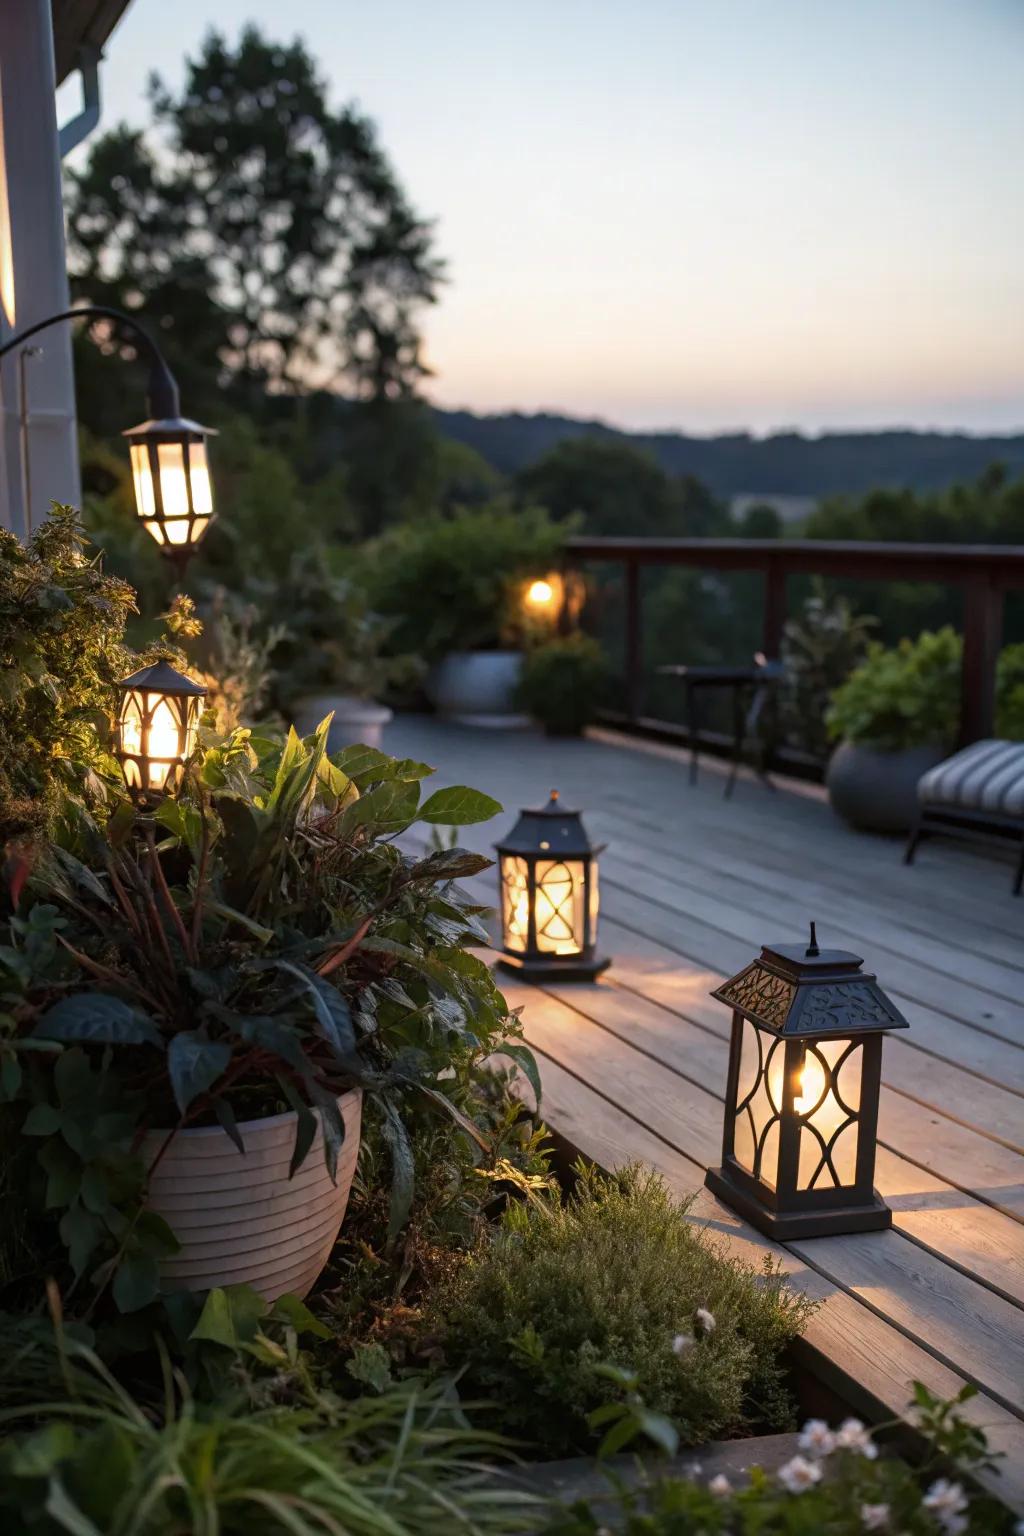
(164, 398)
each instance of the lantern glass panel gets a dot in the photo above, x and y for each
(131, 740)
(558, 909)
(173, 484)
(145, 499)
(594, 899)
(828, 1101)
(759, 1096)
(199, 476)
(515, 915)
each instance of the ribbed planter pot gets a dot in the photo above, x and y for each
(356, 721)
(478, 688)
(238, 1216)
(876, 790)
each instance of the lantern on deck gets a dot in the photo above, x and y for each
(173, 495)
(547, 872)
(156, 729)
(801, 1106)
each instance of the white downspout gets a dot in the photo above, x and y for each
(33, 273)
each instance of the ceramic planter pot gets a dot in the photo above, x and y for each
(876, 790)
(238, 1217)
(359, 721)
(477, 687)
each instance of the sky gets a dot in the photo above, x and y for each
(698, 214)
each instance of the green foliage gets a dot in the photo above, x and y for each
(820, 649)
(274, 949)
(837, 1482)
(456, 584)
(1010, 693)
(617, 1277)
(907, 696)
(62, 624)
(262, 231)
(563, 683)
(403, 1462)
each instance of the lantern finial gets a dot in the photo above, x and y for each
(812, 948)
(554, 795)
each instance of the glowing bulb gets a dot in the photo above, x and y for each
(810, 1085)
(540, 593)
(163, 744)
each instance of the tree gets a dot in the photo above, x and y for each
(619, 490)
(261, 234)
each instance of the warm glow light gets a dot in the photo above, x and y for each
(157, 728)
(559, 914)
(810, 1085)
(173, 493)
(540, 593)
(162, 748)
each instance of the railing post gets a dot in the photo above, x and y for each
(634, 643)
(774, 609)
(983, 633)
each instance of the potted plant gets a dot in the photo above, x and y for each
(456, 589)
(895, 717)
(329, 653)
(563, 682)
(196, 999)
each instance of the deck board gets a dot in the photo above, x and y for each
(634, 1066)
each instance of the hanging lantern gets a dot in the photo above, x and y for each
(173, 494)
(801, 1105)
(547, 871)
(156, 729)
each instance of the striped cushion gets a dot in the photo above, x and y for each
(986, 776)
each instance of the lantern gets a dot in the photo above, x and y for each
(801, 1106)
(547, 871)
(156, 729)
(173, 495)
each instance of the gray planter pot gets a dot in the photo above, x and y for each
(876, 790)
(240, 1217)
(477, 688)
(355, 721)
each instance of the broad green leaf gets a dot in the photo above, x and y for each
(289, 1309)
(194, 1064)
(461, 1120)
(231, 1316)
(97, 1016)
(334, 1126)
(371, 1366)
(136, 1282)
(403, 1168)
(333, 1014)
(305, 1127)
(458, 807)
(362, 764)
(42, 1120)
(232, 915)
(80, 1231)
(449, 863)
(387, 809)
(525, 1061)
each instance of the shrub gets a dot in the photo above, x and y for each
(455, 584)
(563, 682)
(907, 696)
(62, 624)
(617, 1277)
(1010, 693)
(820, 649)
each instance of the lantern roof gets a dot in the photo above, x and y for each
(170, 427)
(551, 830)
(161, 677)
(803, 991)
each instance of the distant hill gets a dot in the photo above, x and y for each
(786, 464)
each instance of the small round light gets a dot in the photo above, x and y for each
(540, 593)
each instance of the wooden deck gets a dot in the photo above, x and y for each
(634, 1066)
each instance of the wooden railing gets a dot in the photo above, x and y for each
(985, 572)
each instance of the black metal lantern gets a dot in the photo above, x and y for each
(173, 494)
(801, 1106)
(157, 721)
(547, 872)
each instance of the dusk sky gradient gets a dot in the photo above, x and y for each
(714, 215)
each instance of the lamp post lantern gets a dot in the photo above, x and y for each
(547, 873)
(173, 493)
(801, 1104)
(157, 718)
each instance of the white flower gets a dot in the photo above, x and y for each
(682, 1344)
(705, 1321)
(852, 1436)
(816, 1438)
(874, 1517)
(720, 1486)
(948, 1503)
(799, 1474)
